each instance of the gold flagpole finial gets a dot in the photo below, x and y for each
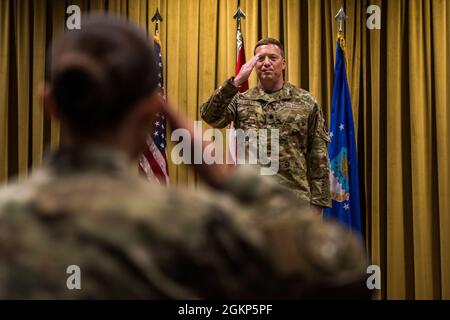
(341, 17)
(157, 19)
(238, 16)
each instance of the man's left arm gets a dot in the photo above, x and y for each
(317, 159)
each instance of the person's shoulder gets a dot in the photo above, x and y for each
(98, 197)
(18, 194)
(323, 252)
(302, 95)
(251, 94)
(177, 212)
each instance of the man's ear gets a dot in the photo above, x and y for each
(284, 63)
(50, 107)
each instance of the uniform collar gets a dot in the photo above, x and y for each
(94, 158)
(258, 93)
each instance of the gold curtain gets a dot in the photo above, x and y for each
(398, 78)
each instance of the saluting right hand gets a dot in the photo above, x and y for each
(246, 71)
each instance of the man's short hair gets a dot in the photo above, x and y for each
(266, 41)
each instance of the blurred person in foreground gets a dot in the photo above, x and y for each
(244, 237)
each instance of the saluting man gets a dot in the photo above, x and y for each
(276, 104)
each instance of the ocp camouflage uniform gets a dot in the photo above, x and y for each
(135, 239)
(303, 137)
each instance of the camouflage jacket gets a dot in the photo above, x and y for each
(136, 239)
(303, 137)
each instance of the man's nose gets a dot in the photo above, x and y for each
(266, 61)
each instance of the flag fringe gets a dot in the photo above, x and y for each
(341, 39)
(156, 38)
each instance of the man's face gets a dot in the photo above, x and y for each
(270, 64)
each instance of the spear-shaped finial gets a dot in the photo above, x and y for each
(341, 17)
(157, 17)
(238, 16)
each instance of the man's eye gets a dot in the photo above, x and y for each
(261, 59)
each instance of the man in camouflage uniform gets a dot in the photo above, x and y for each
(247, 237)
(276, 104)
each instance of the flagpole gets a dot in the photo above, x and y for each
(238, 16)
(157, 18)
(342, 152)
(153, 160)
(239, 40)
(341, 17)
(240, 60)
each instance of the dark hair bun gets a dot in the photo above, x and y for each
(99, 72)
(79, 87)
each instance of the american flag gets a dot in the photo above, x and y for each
(153, 161)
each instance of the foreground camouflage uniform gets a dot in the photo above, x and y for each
(304, 164)
(134, 239)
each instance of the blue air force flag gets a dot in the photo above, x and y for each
(342, 151)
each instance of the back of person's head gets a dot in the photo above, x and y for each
(97, 74)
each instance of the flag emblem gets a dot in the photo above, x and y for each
(340, 189)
